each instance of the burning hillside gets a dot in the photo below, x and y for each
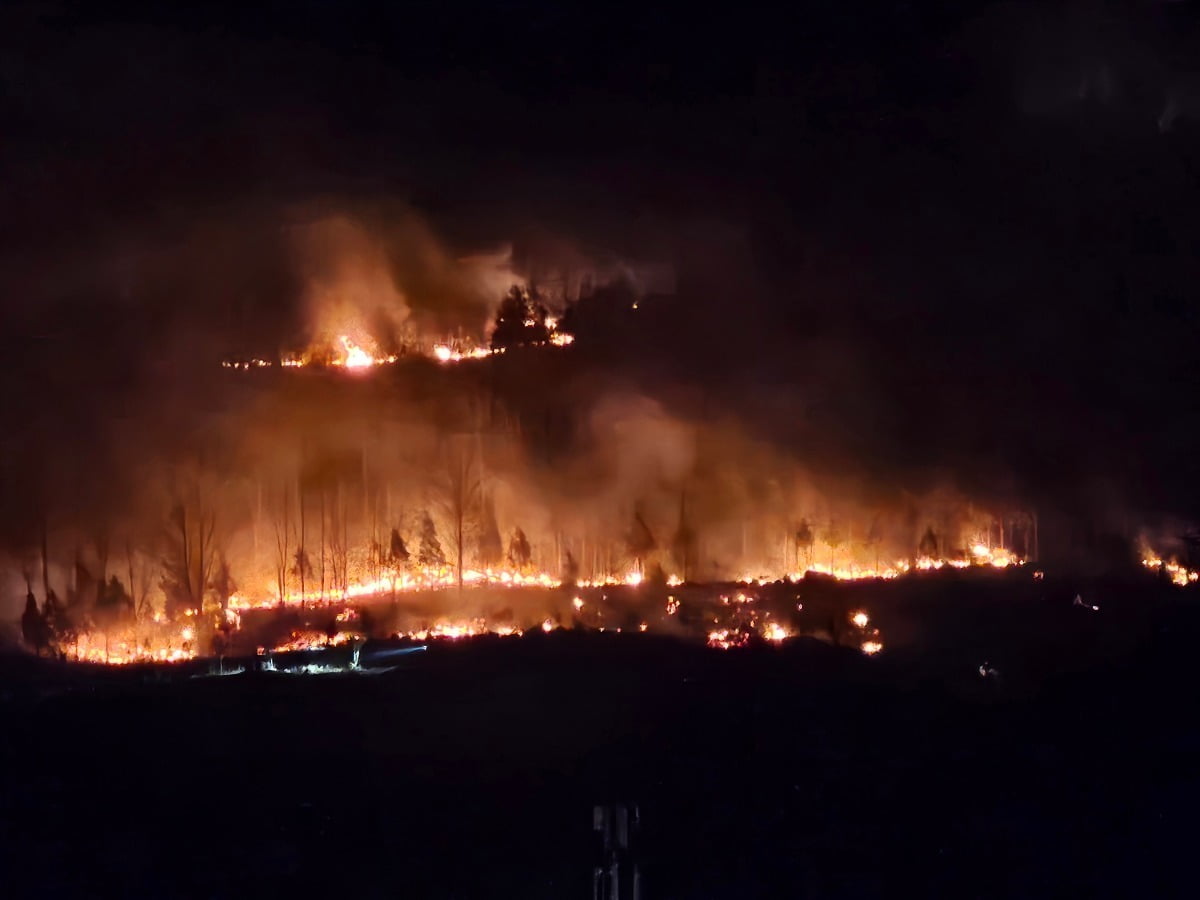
(535, 476)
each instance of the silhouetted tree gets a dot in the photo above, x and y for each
(834, 538)
(490, 547)
(114, 606)
(190, 557)
(281, 524)
(54, 613)
(34, 629)
(460, 495)
(874, 538)
(640, 541)
(928, 546)
(570, 572)
(804, 541)
(520, 320)
(64, 630)
(398, 555)
(430, 553)
(140, 573)
(339, 544)
(302, 566)
(683, 544)
(222, 584)
(520, 554)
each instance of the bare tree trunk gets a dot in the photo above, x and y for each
(302, 556)
(458, 526)
(45, 558)
(258, 509)
(322, 594)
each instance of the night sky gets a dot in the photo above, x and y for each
(956, 231)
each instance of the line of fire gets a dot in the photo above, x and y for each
(448, 489)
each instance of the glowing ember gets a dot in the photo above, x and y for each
(776, 632)
(860, 619)
(870, 648)
(577, 603)
(548, 626)
(453, 631)
(725, 639)
(312, 640)
(444, 353)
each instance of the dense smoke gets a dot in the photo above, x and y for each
(395, 278)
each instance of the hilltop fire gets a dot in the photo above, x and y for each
(347, 353)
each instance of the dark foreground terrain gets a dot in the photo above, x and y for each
(471, 770)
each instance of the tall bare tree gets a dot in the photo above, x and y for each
(683, 543)
(191, 555)
(461, 497)
(282, 529)
(138, 569)
(190, 536)
(339, 549)
(804, 542)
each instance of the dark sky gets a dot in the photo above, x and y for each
(973, 201)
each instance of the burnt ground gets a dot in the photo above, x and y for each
(470, 770)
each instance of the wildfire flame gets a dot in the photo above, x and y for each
(162, 642)
(1179, 574)
(356, 357)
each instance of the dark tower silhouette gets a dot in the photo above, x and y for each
(616, 875)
